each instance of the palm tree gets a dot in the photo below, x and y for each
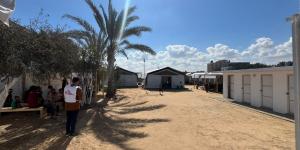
(116, 27)
(93, 45)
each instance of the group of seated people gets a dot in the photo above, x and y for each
(33, 98)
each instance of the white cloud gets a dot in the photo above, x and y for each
(221, 51)
(183, 57)
(284, 51)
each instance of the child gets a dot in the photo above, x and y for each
(59, 100)
(13, 104)
(49, 104)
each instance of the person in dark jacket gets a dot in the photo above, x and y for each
(9, 98)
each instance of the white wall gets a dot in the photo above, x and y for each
(225, 85)
(280, 87)
(238, 84)
(256, 97)
(127, 80)
(153, 81)
(176, 81)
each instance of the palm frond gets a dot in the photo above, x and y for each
(105, 18)
(81, 22)
(141, 48)
(97, 15)
(123, 52)
(79, 34)
(119, 23)
(124, 42)
(131, 19)
(131, 10)
(137, 31)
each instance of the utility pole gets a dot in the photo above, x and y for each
(144, 68)
(296, 60)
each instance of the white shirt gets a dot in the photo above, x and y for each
(70, 93)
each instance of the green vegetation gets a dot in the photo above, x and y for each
(39, 49)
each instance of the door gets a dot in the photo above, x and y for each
(291, 94)
(247, 89)
(231, 87)
(166, 82)
(267, 91)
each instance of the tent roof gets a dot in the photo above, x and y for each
(167, 68)
(127, 71)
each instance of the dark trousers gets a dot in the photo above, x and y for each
(50, 109)
(71, 121)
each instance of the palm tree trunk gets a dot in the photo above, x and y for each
(97, 82)
(110, 74)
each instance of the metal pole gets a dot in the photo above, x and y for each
(296, 60)
(144, 68)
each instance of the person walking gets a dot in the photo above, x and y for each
(73, 96)
(161, 89)
(206, 87)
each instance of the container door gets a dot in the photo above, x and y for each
(247, 89)
(231, 87)
(291, 94)
(267, 91)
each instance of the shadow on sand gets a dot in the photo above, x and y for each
(172, 90)
(139, 109)
(111, 127)
(27, 131)
(117, 130)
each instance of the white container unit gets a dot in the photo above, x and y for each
(271, 88)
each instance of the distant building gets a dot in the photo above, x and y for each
(126, 78)
(222, 65)
(237, 66)
(168, 77)
(217, 66)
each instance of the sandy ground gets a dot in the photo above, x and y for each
(185, 120)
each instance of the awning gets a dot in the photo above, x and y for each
(208, 77)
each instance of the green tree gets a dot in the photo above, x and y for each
(116, 28)
(14, 41)
(52, 51)
(40, 50)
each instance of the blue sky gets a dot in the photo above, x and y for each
(196, 24)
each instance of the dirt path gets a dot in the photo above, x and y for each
(145, 120)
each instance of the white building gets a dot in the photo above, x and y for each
(169, 77)
(126, 78)
(266, 87)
